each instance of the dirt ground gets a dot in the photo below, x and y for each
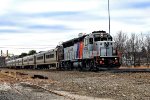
(117, 86)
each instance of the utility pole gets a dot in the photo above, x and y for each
(109, 16)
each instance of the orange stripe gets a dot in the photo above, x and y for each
(81, 50)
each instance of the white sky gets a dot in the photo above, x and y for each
(43, 24)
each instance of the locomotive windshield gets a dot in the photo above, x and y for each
(99, 37)
(104, 39)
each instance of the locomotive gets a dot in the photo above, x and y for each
(92, 51)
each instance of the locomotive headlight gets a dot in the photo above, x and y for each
(115, 58)
(102, 58)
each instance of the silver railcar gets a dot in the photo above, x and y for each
(31, 60)
(51, 58)
(19, 62)
(25, 61)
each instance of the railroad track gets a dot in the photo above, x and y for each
(130, 70)
(121, 70)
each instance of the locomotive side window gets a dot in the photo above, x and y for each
(85, 41)
(90, 40)
(110, 39)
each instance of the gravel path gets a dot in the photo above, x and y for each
(13, 89)
(25, 92)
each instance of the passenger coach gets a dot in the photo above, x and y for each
(40, 60)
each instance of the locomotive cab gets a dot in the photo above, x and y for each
(100, 47)
(103, 44)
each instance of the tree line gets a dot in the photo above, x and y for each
(31, 52)
(134, 50)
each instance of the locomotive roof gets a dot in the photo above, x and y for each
(101, 31)
(48, 51)
(75, 40)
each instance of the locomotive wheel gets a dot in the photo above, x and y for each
(80, 68)
(93, 66)
(65, 66)
(83, 66)
(88, 66)
(60, 66)
(69, 66)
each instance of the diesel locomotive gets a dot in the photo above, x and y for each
(92, 51)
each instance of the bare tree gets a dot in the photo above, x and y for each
(134, 50)
(134, 41)
(120, 41)
(127, 53)
(147, 45)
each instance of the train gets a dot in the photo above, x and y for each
(93, 51)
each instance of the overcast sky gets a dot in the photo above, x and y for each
(42, 24)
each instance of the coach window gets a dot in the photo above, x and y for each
(39, 58)
(50, 56)
(25, 60)
(30, 59)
